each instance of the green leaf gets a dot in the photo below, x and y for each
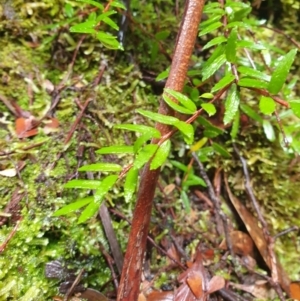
(111, 23)
(235, 125)
(94, 3)
(231, 46)
(73, 206)
(250, 44)
(209, 21)
(281, 72)
(210, 28)
(242, 13)
(267, 105)
(105, 185)
(176, 107)
(238, 24)
(215, 41)
(163, 75)
(187, 131)
(221, 150)
(251, 113)
(139, 128)
(252, 83)
(141, 141)
(130, 184)
(161, 155)
(186, 201)
(231, 104)
(158, 117)
(88, 212)
(85, 27)
(144, 155)
(253, 73)
(207, 96)
(108, 40)
(209, 108)
(69, 10)
(295, 106)
(226, 80)
(162, 35)
(118, 4)
(184, 100)
(193, 180)
(179, 165)
(101, 167)
(210, 69)
(209, 126)
(269, 130)
(116, 149)
(83, 184)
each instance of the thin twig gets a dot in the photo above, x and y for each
(269, 239)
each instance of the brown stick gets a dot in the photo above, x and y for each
(131, 273)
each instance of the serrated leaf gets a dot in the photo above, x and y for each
(73, 206)
(267, 105)
(144, 155)
(251, 113)
(252, 83)
(253, 73)
(235, 125)
(161, 155)
(181, 98)
(269, 130)
(281, 72)
(139, 128)
(130, 184)
(231, 46)
(158, 117)
(88, 212)
(221, 150)
(209, 108)
(210, 28)
(226, 80)
(176, 107)
(116, 149)
(83, 184)
(105, 185)
(101, 167)
(187, 131)
(295, 106)
(215, 41)
(231, 104)
(210, 69)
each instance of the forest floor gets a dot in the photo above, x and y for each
(59, 99)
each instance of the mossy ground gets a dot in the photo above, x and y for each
(37, 48)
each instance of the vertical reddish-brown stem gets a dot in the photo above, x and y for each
(131, 273)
